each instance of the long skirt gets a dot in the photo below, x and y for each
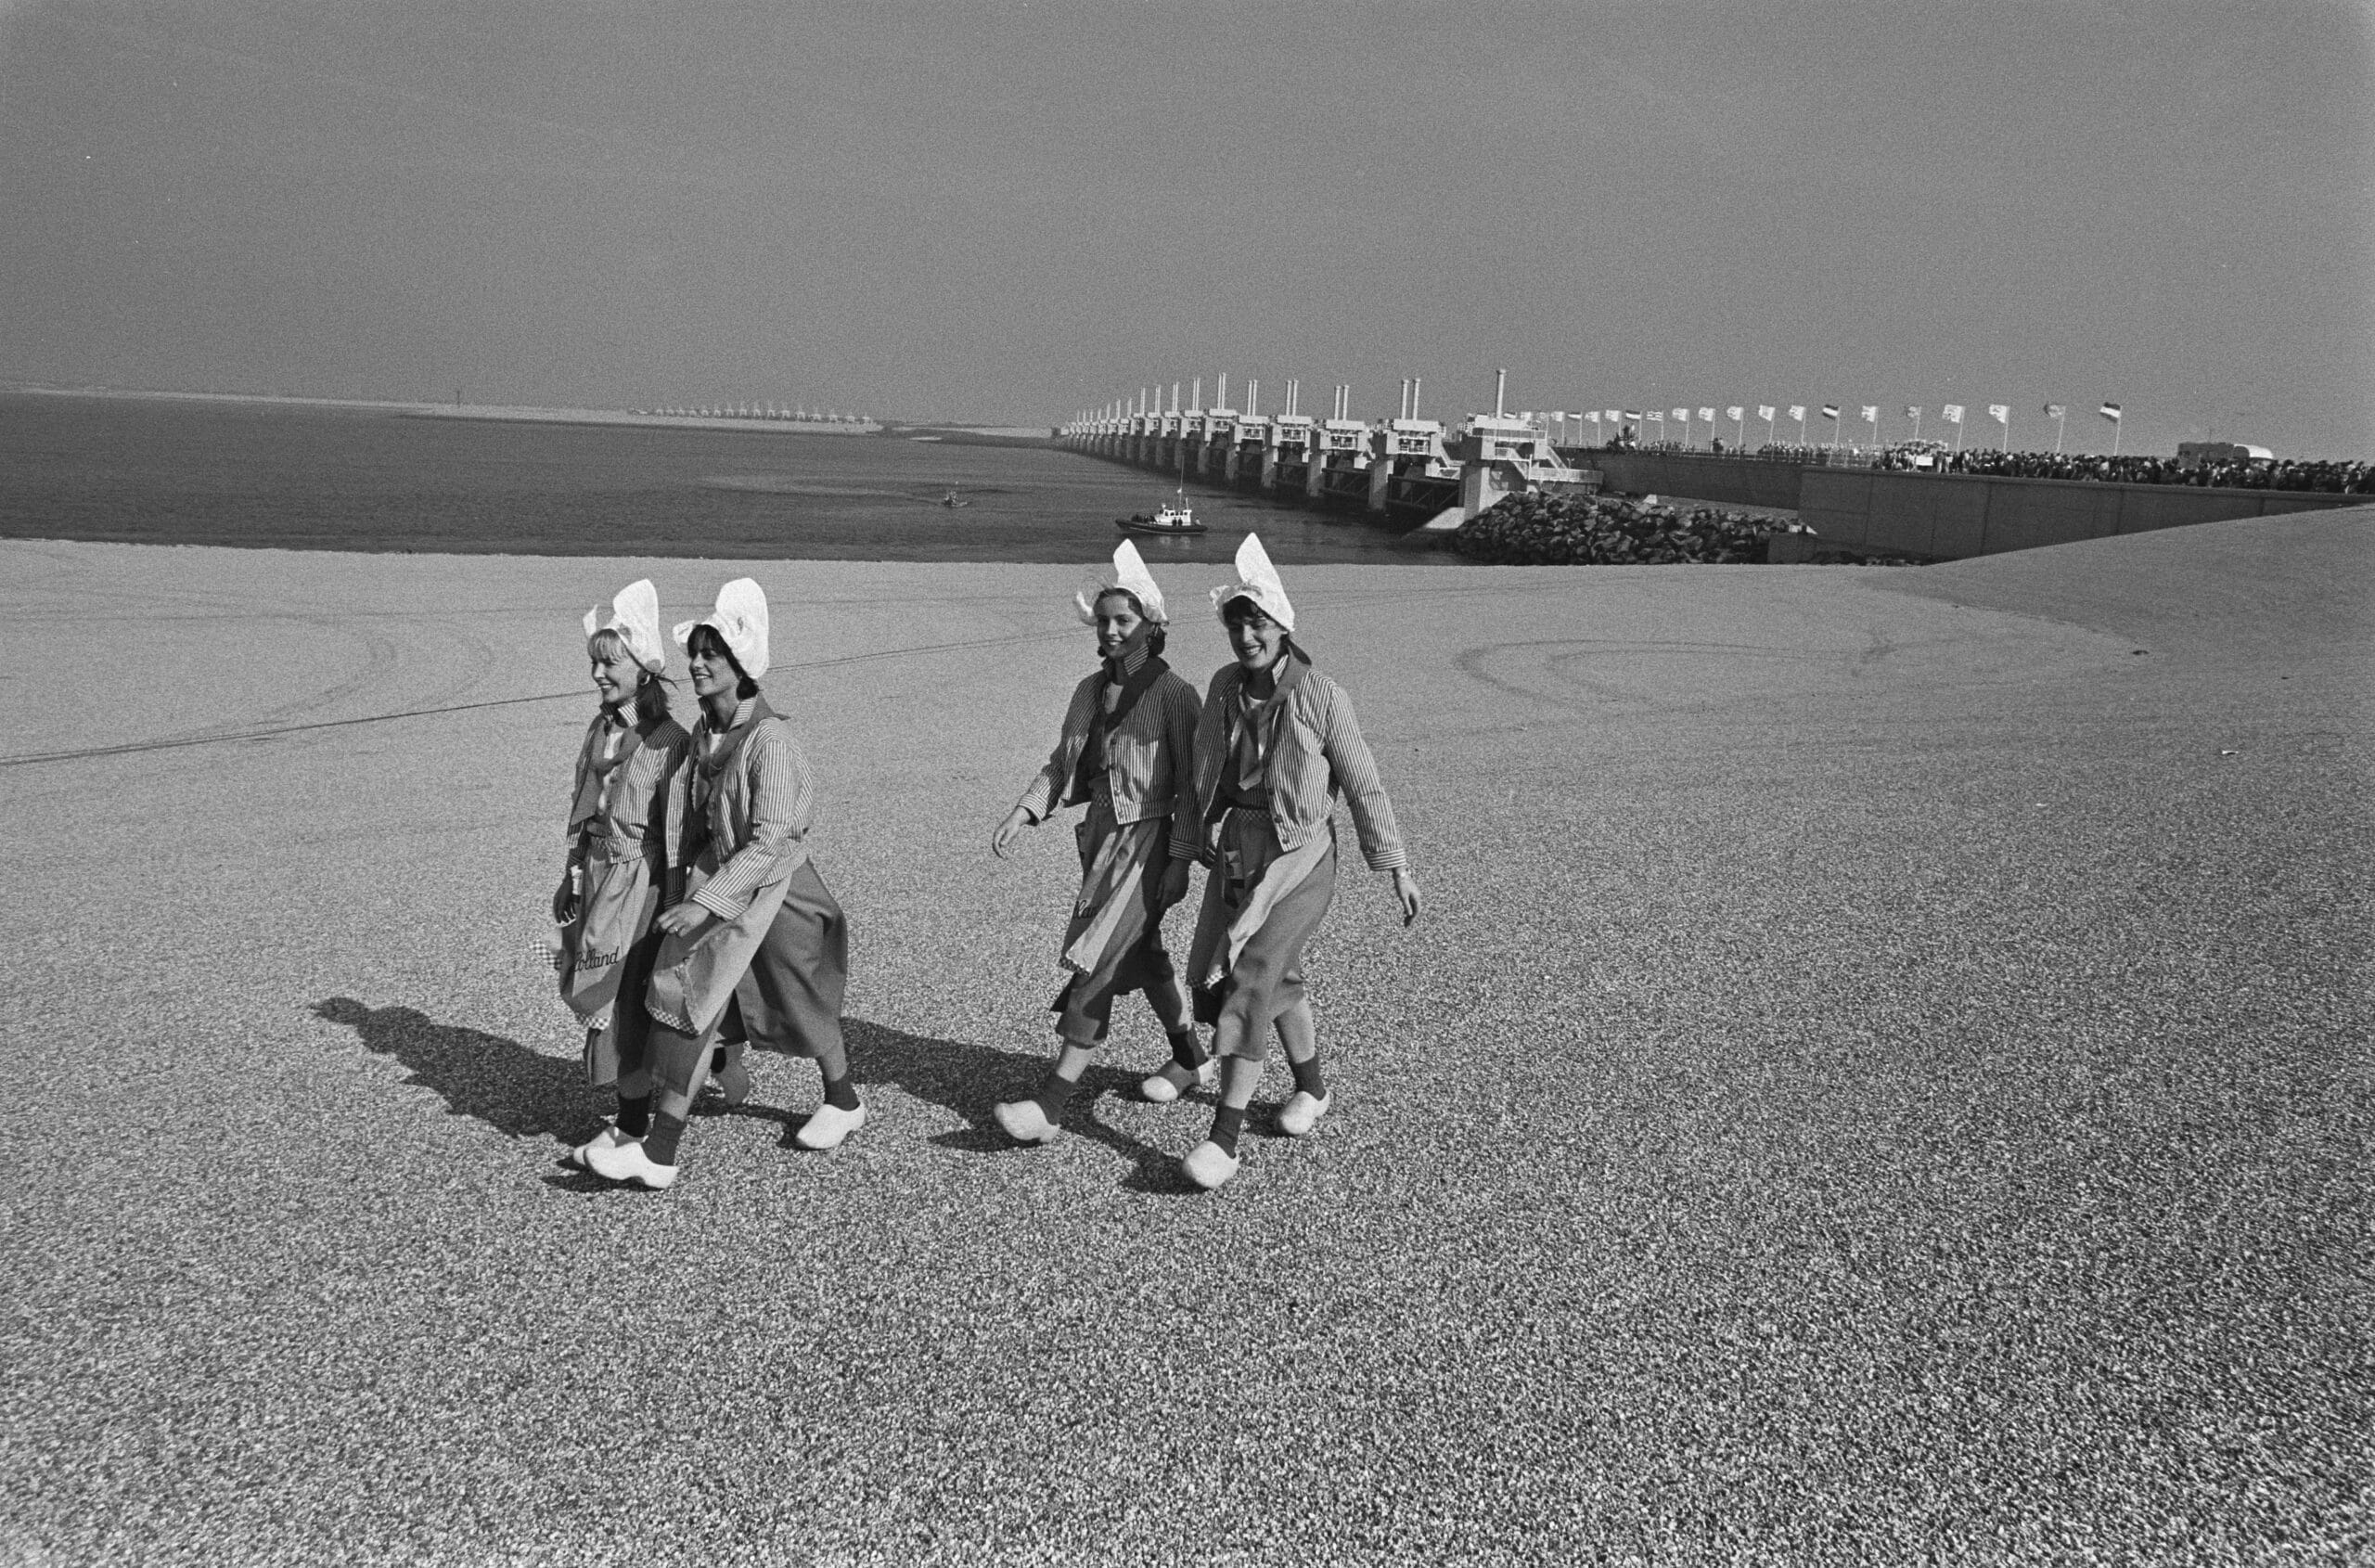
(1114, 943)
(787, 999)
(607, 955)
(790, 1000)
(1260, 905)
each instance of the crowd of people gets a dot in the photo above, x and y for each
(694, 924)
(1934, 457)
(2247, 473)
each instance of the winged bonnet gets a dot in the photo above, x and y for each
(1256, 580)
(741, 619)
(1129, 577)
(635, 615)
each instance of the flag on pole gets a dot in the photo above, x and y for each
(1798, 411)
(1871, 413)
(1830, 411)
(2000, 412)
(1952, 413)
(1765, 411)
(1633, 415)
(1736, 413)
(1911, 411)
(2110, 411)
(1618, 416)
(1683, 414)
(1708, 415)
(2055, 410)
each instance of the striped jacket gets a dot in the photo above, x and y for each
(756, 816)
(1315, 752)
(1149, 755)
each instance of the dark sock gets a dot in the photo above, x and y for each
(659, 1144)
(1187, 1050)
(1308, 1076)
(717, 1061)
(635, 1114)
(841, 1093)
(1055, 1093)
(1228, 1122)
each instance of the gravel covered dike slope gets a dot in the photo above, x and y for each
(1883, 1079)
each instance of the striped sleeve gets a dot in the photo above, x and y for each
(782, 804)
(1182, 716)
(1046, 791)
(575, 829)
(1204, 771)
(1355, 773)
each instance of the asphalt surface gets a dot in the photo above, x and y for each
(1882, 1078)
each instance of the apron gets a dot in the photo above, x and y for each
(1109, 915)
(693, 980)
(622, 867)
(1254, 878)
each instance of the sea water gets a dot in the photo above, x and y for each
(170, 471)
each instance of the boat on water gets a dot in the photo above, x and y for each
(1173, 517)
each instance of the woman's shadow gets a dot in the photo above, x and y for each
(499, 1082)
(970, 1080)
(521, 1092)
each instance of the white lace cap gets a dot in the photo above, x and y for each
(1256, 580)
(1130, 577)
(635, 615)
(741, 619)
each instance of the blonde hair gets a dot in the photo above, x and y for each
(651, 686)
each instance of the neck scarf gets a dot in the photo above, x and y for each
(600, 761)
(1103, 720)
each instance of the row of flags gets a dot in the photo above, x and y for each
(1952, 413)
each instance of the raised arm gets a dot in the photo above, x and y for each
(782, 805)
(676, 819)
(1182, 716)
(1204, 772)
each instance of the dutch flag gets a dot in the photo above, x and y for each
(2110, 411)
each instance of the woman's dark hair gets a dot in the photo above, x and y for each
(1155, 638)
(709, 636)
(1242, 608)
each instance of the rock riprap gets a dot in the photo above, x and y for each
(1613, 530)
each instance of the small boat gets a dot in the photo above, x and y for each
(1177, 517)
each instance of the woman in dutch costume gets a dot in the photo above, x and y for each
(1125, 752)
(1277, 743)
(758, 951)
(624, 817)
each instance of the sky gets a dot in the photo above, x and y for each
(1008, 214)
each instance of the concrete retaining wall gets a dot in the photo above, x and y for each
(1950, 516)
(1741, 482)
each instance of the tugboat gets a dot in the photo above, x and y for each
(1176, 516)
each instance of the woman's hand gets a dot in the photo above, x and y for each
(1174, 883)
(1002, 836)
(564, 904)
(685, 920)
(1406, 889)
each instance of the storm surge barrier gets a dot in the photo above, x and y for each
(1413, 473)
(1427, 478)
